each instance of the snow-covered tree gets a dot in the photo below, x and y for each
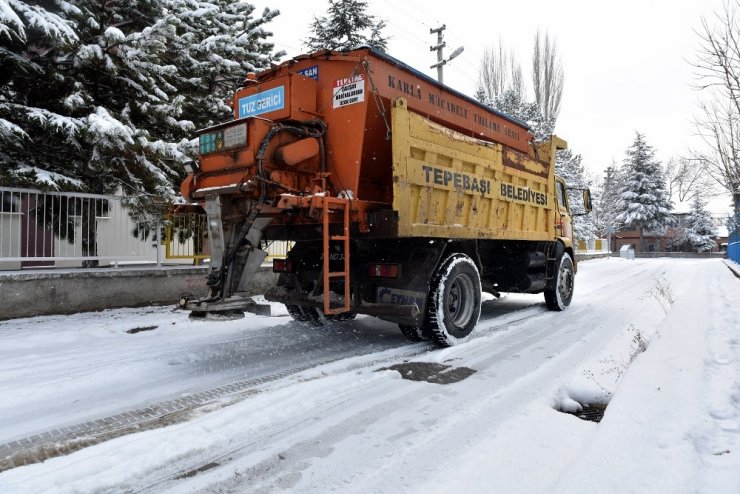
(346, 26)
(643, 201)
(698, 229)
(214, 46)
(606, 197)
(570, 167)
(29, 35)
(107, 98)
(112, 96)
(512, 103)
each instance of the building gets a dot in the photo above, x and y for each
(666, 242)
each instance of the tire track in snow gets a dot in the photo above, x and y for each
(272, 472)
(65, 440)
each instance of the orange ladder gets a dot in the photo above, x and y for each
(344, 204)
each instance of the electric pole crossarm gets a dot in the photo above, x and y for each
(440, 55)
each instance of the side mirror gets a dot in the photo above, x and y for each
(587, 200)
(582, 205)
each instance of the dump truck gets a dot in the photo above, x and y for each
(402, 199)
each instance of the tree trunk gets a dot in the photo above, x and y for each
(642, 241)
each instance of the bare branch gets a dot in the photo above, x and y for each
(718, 69)
(547, 76)
(499, 72)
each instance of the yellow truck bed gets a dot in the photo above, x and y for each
(448, 185)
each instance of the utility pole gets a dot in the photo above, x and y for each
(440, 56)
(439, 46)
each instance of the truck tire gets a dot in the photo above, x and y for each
(315, 317)
(454, 301)
(344, 316)
(305, 314)
(413, 333)
(559, 297)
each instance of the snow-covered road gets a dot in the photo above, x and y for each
(322, 414)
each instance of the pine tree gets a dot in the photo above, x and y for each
(346, 26)
(29, 37)
(214, 46)
(643, 202)
(699, 230)
(511, 102)
(112, 101)
(605, 202)
(570, 168)
(107, 98)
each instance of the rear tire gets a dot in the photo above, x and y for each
(344, 316)
(305, 314)
(413, 333)
(454, 301)
(559, 297)
(315, 317)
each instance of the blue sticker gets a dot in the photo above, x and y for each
(310, 72)
(264, 102)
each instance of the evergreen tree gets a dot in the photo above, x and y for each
(511, 102)
(699, 230)
(29, 35)
(606, 202)
(112, 102)
(643, 201)
(570, 167)
(346, 26)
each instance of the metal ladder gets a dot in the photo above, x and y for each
(344, 204)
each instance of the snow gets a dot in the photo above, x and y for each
(36, 17)
(9, 21)
(49, 178)
(639, 336)
(108, 131)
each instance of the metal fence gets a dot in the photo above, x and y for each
(59, 229)
(186, 237)
(594, 245)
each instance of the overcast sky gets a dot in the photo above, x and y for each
(627, 63)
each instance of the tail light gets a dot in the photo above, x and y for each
(384, 270)
(282, 266)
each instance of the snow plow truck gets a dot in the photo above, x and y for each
(402, 198)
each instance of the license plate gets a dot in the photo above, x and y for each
(395, 296)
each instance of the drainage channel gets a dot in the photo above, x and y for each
(67, 440)
(591, 413)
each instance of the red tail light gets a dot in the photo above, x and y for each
(282, 266)
(384, 270)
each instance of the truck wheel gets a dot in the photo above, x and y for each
(559, 298)
(454, 301)
(305, 314)
(413, 333)
(345, 316)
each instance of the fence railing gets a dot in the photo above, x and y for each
(71, 229)
(597, 245)
(60, 229)
(186, 238)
